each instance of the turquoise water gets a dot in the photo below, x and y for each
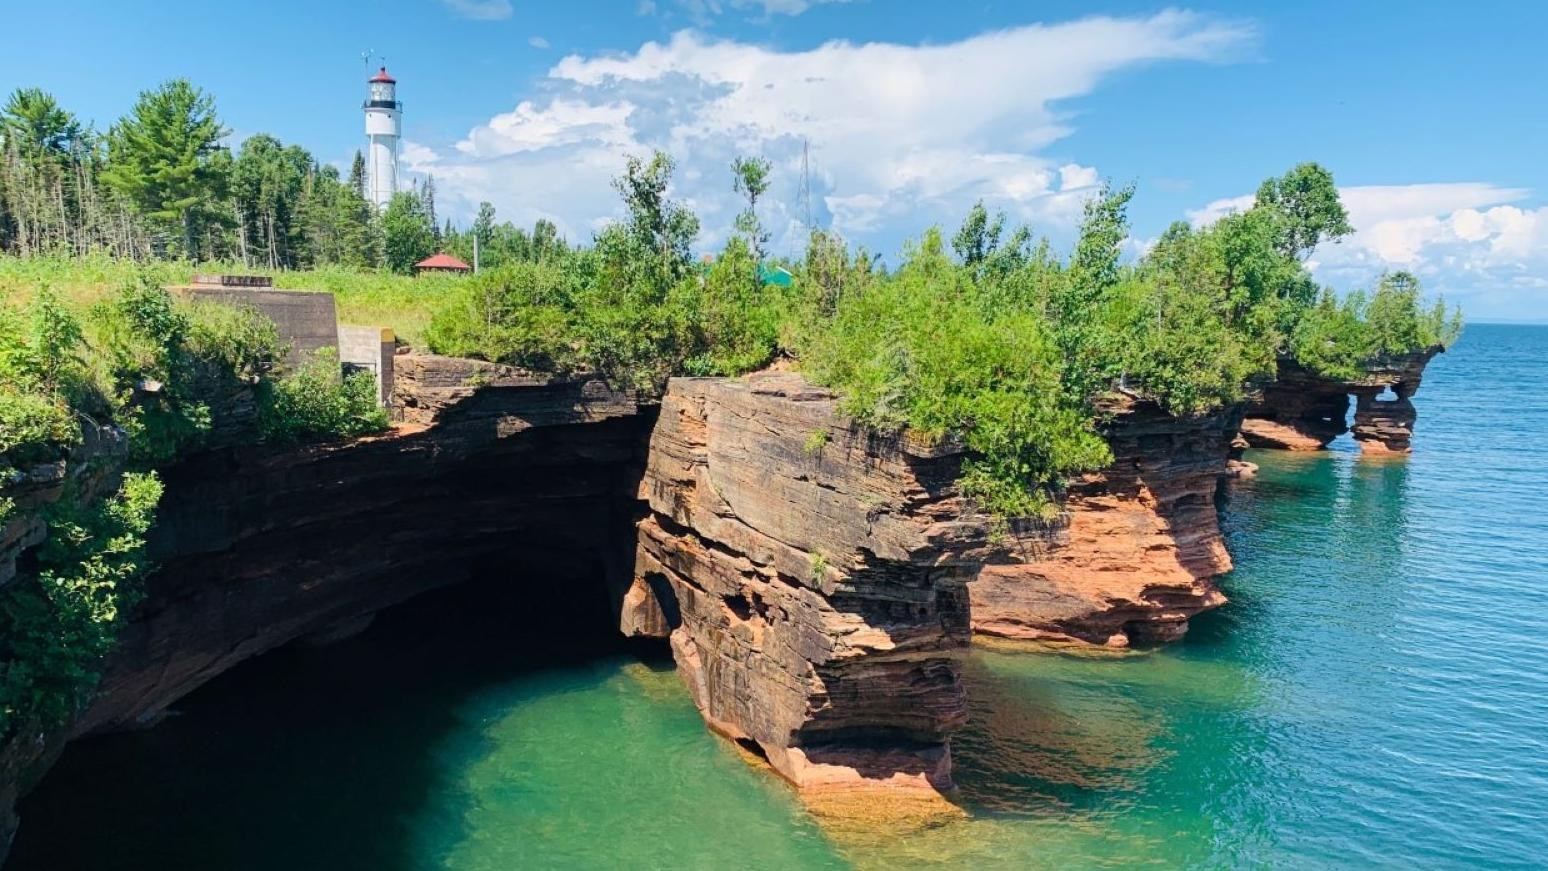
(1375, 696)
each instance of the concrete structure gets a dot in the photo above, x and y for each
(384, 127)
(371, 349)
(307, 320)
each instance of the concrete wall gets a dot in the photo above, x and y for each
(370, 348)
(307, 320)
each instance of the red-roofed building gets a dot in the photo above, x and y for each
(442, 262)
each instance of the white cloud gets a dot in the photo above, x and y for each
(703, 9)
(1217, 209)
(537, 42)
(415, 155)
(900, 136)
(481, 10)
(1464, 239)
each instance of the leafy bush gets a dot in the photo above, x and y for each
(631, 308)
(1339, 339)
(29, 422)
(733, 319)
(39, 370)
(917, 350)
(171, 365)
(314, 403)
(54, 630)
(522, 314)
(1171, 345)
(1400, 325)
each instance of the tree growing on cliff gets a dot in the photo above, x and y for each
(654, 242)
(1311, 212)
(750, 178)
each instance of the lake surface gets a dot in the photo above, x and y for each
(1374, 696)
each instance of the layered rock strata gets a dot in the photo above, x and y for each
(1303, 411)
(1133, 554)
(810, 576)
(494, 471)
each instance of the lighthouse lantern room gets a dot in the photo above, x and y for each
(384, 126)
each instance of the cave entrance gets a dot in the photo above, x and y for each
(316, 753)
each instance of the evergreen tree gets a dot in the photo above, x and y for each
(409, 236)
(267, 182)
(160, 157)
(427, 197)
(357, 176)
(483, 224)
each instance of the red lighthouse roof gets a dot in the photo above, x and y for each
(381, 76)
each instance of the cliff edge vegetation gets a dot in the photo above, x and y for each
(994, 338)
(94, 397)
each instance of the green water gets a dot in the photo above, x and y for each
(1375, 695)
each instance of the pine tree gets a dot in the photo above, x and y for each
(427, 197)
(357, 175)
(160, 157)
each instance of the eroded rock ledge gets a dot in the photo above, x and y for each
(1302, 411)
(495, 471)
(811, 578)
(1133, 555)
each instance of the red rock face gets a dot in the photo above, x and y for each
(1133, 555)
(1302, 411)
(811, 578)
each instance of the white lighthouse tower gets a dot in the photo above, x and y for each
(384, 125)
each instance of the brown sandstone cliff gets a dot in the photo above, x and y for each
(494, 471)
(1133, 554)
(811, 578)
(1303, 411)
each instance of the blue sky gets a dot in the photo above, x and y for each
(1430, 115)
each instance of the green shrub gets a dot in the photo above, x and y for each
(521, 314)
(916, 350)
(33, 426)
(55, 629)
(1339, 339)
(39, 370)
(1398, 323)
(1332, 338)
(732, 317)
(1171, 345)
(173, 366)
(315, 403)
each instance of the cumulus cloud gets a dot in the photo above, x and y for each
(900, 136)
(1468, 240)
(537, 42)
(481, 10)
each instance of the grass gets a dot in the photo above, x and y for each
(400, 302)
